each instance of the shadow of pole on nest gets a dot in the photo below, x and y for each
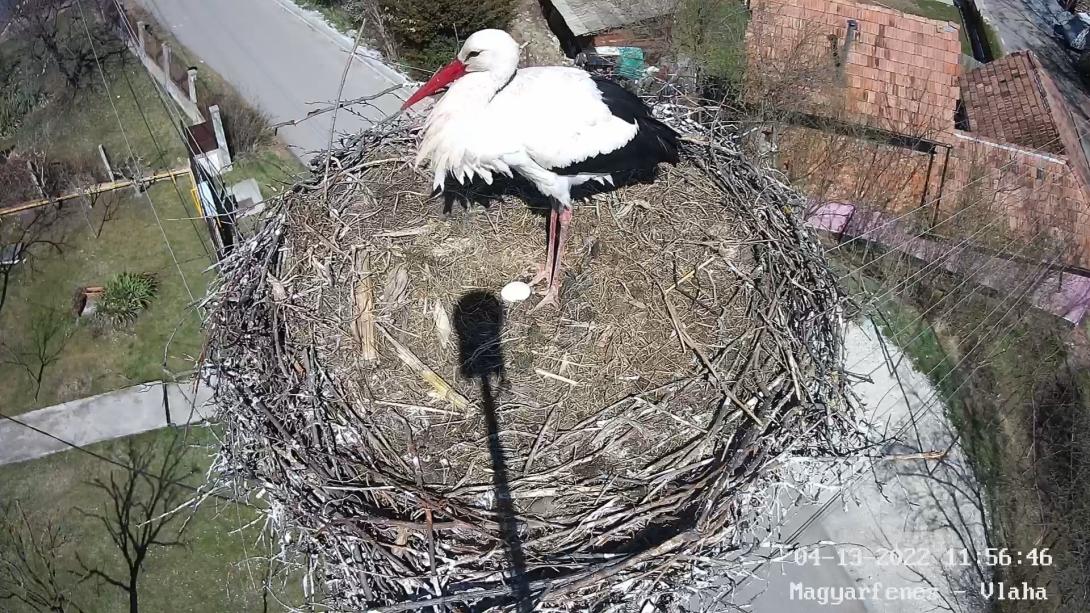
(478, 322)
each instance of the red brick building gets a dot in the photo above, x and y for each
(946, 147)
(877, 66)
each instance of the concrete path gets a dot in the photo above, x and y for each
(101, 418)
(914, 507)
(284, 60)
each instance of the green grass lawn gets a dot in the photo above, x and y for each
(210, 573)
(72, 127)
(274, 169)
(98, 358)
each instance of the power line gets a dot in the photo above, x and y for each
(162, 153)
(1033, 283)
(965, 280)
(180, 126)
(104, 458)
(928, 404)
(934, 201)
(132, 154)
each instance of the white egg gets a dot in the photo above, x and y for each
(515, 291)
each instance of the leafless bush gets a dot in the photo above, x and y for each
(248, 128)
(30, 573)
(60, 35)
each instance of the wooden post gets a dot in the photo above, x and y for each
(141, 37)
(192, 85)
(106, 163)
(166, 59)
(221, 136)
(35, 178)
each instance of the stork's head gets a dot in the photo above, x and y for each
(488, 51)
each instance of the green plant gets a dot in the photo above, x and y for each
(428, 31)
(127, 295)
(248, 128)
(20, 94)
(712, 32)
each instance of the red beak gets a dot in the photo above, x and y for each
(444, 77)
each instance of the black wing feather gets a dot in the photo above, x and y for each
(654, 143)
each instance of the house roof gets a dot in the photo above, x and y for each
(1006, 100)
(591, 16)
(899, 72)
(201, 137)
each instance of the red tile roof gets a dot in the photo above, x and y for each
(900, 72)
(1006, 100)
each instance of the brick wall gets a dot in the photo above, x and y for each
(1039, 197)
(899, 72)
(834, 167)
(994, 195)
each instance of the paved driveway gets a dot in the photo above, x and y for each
(283, 60)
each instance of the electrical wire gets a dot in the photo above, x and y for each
(104, 458)
(930, 203)
(132, 154)
(928, 404)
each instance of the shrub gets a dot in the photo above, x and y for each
(126, 296)
(246, 127)
(712, 32)
(429, 31)
(20, 93)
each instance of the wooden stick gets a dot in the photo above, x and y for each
(409, 358)
(556, 377)
(364, 297)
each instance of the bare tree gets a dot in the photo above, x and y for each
(108, 203)
(140, 514)
(50, 329)
(57, 39)
(30, 573)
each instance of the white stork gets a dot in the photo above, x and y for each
(558, 127)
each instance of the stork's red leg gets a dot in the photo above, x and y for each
(565, 221)
(546, 273)
(553, 293)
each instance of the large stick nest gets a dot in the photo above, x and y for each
(425, 444)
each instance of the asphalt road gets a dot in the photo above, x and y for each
(282, 60)
(898, 506)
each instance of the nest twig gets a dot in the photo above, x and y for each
(700, 344)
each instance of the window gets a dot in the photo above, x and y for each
(961, 118)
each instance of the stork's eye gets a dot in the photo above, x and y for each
(472, 54)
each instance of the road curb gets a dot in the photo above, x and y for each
(316, 22)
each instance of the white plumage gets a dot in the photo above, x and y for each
(545, 118)
(555, 126)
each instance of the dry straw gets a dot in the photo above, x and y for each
(422, 444)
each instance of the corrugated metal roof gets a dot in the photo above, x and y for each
(900, 72)
(588, 17)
